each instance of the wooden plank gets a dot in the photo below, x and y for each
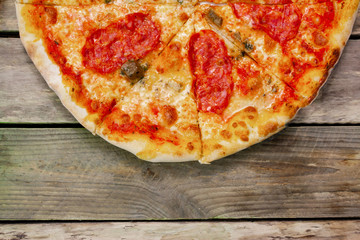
(64, 174)
(8, 20)
(184, 230)
(24, 94)
(356, 28)
(25, 97)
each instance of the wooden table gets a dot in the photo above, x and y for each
(301, 183)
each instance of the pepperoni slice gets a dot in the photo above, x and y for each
(107, 49)
(281, 23)
(211, 66)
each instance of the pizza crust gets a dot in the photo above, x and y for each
(141, 149)
(50, 71)
(347, 16)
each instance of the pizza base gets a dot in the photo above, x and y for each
(268, 123)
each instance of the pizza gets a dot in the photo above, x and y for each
(182, 80)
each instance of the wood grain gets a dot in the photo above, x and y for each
(8, 20)
(309, 230)
(66, 173)
(24, 94)
(356, 28)
(26, 98)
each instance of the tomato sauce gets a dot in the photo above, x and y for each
(245, 73)
(287, 96)
(143, 127)
(320, 16)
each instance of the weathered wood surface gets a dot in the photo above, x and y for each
(302, 172)
(8, 20)
(356, 28)
(24, 94)
(25, 97)
(184, 230)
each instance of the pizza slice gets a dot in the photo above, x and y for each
(92, 55)
(184, 3)
(299, 43)
(157, 119)
(239, 103)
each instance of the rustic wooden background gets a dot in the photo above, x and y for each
(301, 183)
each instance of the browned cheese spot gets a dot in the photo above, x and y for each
(95, 105)
(193, 128)
(255, 84)
(160, 70)
(125, 118)
(190, 146)
(183, 17)
(333, 58)
(176, 46)
(174, 58)
(242, 132)
(319, 38)
(234, 125)
(217, 146)
(244, 138)
(268, 128)
(269, 44)
(170, 114)
(225, 134)
(137, 117)
(51, 12)
(242, 124)
(251, 112)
